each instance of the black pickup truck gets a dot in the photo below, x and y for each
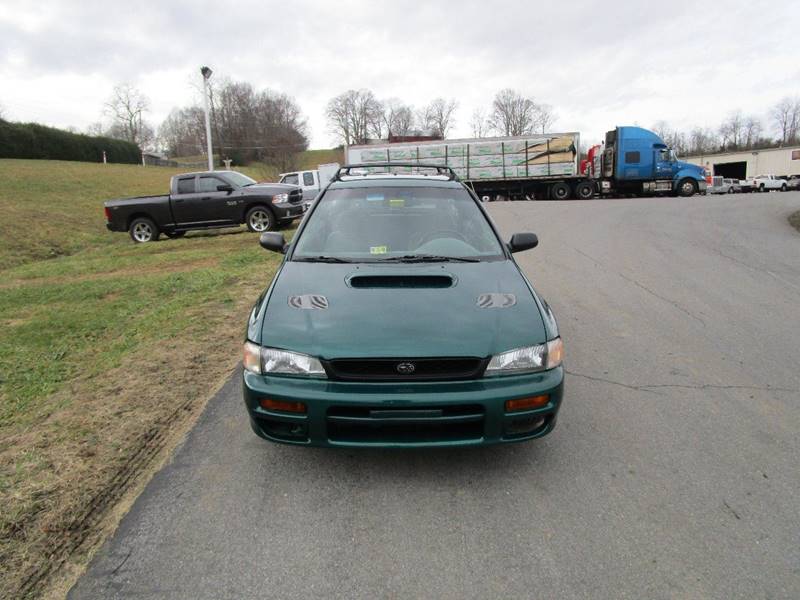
(203, 201)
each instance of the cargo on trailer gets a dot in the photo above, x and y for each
(546, 166)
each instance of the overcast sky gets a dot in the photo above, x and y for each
(599, 64)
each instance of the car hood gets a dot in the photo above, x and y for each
(400, 321)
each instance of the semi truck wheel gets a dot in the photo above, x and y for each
(143, 230)
(584, 190)
(560, 191)
(687, 187)
(260, 219)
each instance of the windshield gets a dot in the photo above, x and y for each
(238, 179)
(397, 223)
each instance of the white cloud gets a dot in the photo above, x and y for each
(599, 64)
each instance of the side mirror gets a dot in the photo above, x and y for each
(523, 241)
(274, 241)
(224, 187)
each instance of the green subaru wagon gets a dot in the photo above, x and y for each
(399, 318)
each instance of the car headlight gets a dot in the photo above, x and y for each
(528, 360)
(280, 198)
(270, 361)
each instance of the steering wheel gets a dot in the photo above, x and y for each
(433, 235)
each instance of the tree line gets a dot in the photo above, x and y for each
(249, 124)
(738, 131)
(356, 116)
(246, 124)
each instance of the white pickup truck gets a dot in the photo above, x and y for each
(765, 183)
(311, 181)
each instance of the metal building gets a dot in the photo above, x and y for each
(750, 163)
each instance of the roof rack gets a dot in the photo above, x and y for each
(345, 170)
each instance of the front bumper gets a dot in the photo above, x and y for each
(288, 212)
(392, 414)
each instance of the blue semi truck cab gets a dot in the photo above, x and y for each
(638, 161)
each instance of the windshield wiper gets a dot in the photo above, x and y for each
(324, 259)
(412, 258)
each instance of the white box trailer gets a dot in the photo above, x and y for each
(535, 165)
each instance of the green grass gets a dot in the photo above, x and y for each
(99, 338)
(311, 159)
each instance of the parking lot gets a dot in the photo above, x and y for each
(672, 472)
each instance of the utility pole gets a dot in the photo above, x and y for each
(206, 72)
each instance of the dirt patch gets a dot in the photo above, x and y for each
(794, 220)
(143, 409)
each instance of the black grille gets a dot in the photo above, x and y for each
(413, 424)
(295, 196)
(405, 369)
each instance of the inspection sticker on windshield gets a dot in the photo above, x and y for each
(374, 197)
(378, 249)
(397, 202)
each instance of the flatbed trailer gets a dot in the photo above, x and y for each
(515, 168)
(546, 166)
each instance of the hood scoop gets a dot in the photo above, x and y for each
(396, 281)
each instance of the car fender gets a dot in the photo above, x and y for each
(260, 307)
(687, 173)
(548, 318)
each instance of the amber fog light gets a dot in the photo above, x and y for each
(526, 403)
(282, 405)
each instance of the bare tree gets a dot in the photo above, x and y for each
(731, 130)
(95, 129)
(662, 129)
(183, 132)
(512, 113)
(126, 107)
(251, 125)
(786, 115)
(398, 118)
(702, 141)
(479, 123)
(354, 115)
(751, 131)
(545, 117)
(437, 116)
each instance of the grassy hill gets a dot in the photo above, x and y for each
(105, 347)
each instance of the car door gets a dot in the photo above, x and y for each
(217, 207)
(662, 165)
(310, 186)
(185, 201)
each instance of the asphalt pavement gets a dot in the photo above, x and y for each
(674, 471)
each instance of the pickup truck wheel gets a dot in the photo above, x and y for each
(143, 230)
(783, 187)
(260, 219)
(687, 188)
(761, 189)
(584, 190)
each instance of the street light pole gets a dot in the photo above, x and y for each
(206, 72)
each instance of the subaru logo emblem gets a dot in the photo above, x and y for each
(406, 368)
